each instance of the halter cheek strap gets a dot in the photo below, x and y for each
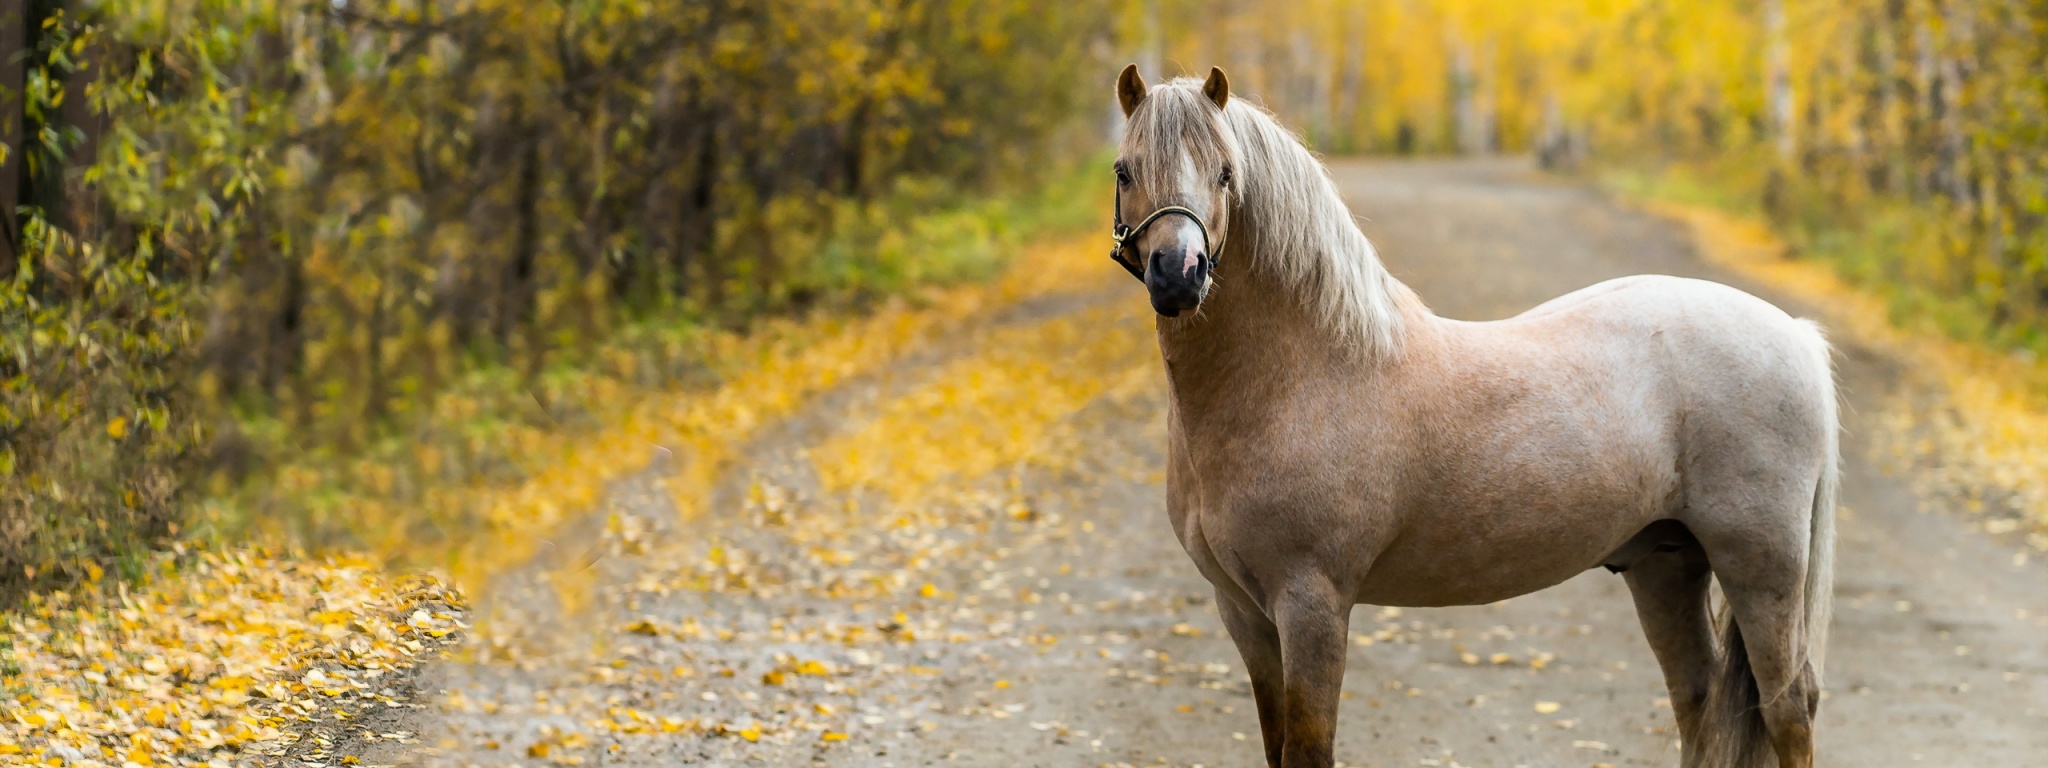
(1123, 238)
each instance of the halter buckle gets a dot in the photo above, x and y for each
(1117, 236)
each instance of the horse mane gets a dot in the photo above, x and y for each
(1290, 218)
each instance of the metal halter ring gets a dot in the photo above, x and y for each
(1121, 236)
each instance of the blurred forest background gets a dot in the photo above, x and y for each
(266, 256)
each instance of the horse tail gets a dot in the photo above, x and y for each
(1731, 722)
(1820, 547)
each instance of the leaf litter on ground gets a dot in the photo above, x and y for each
(211, 657)
(218, 653)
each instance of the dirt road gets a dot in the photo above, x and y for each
(886, 580)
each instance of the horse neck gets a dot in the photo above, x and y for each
(1252, 343)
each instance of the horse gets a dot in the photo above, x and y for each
(1333, 443)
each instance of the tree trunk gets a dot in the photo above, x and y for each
(1885, 94)
(637, 281)
(1467, 110)
(374, 388)
(517, 310)
(1927, 78)
(13, 76)
(1952, 74)
(694, 228)
(78, 114)
(1778, 80)
(40, 183)
(1351, 83)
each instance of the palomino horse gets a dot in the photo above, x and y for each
(1333, 443)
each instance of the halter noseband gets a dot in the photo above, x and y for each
(1121, 237)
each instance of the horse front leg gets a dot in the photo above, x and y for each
(1313, 621)
(1258, 642)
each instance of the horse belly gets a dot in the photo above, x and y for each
(1484, 557)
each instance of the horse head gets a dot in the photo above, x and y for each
(1176, 178)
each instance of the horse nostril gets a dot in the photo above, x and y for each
(1179, 264)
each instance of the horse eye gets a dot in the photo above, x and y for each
(1122, 179)
(1224, 180)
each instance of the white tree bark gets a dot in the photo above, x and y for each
(1778, 80)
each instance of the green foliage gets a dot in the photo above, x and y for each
(313, 217)
(94, 340)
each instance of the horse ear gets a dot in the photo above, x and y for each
(1130, 89)
(1217, 87)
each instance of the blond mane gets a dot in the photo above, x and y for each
(1289, 218)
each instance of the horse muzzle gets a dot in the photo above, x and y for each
(1177, 279)
(1176, 287)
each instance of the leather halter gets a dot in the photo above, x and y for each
(1124, 237)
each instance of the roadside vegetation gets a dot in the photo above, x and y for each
(315, 313)
(272, 257)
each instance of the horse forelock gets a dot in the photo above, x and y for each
(1289, 218)
(1174, 125)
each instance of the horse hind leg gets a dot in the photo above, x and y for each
(1671, 590)
(1765, 625)
(1762, 701)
